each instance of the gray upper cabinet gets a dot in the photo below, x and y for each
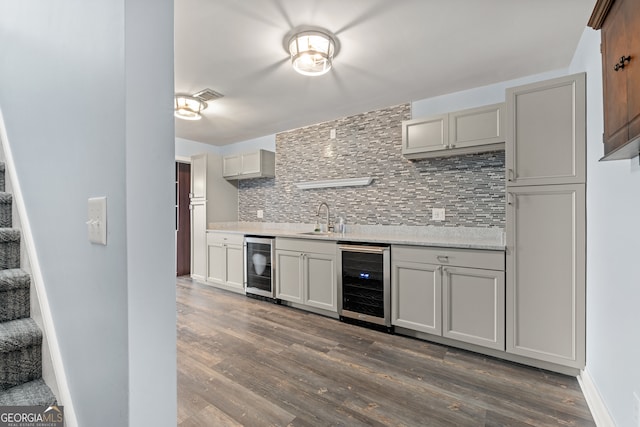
(546, 132)
(255, 164)
(546, 273)
(462, 132)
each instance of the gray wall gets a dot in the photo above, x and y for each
(613, 287)
(86, 93)
(470, 188)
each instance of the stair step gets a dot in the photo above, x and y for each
(15, 289)
(6, 218)
(27, 394)
(20, 352)
(9, 248)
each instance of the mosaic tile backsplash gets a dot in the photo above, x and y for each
(470, 187)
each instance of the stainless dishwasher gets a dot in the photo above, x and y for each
(364, 284)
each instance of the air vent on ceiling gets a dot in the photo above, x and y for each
(207, 95)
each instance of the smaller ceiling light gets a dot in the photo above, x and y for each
(188, 107)
(312, 50)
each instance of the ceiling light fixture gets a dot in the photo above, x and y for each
(312, 50)
(189, 107)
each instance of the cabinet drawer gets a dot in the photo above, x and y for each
(474, 258)
(228, 238)
(307, 246)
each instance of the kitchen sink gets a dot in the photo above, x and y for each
(317, 233)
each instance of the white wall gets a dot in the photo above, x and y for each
(613, 287)
(86, 97)
(476, 97)
(186, 148)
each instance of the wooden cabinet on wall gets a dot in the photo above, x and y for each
(461, 132)
(454, 293)
(619, 21)
(255, 164)
(306, 273)
(225, 260)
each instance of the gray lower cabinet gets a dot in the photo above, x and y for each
(225, 260)
(546, 273)
(306, 273)
(416, 292)
(455, 293)
(473, 306)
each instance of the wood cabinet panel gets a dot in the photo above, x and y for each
(619, 21)
(416, 291)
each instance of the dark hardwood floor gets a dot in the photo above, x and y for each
(247, 362)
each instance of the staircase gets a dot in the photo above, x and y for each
(21, 380)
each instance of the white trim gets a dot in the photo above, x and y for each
(597, 406)
(345, 182)
(38, 280)
(183, 159)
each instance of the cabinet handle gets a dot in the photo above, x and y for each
(509, 199)
(443, 258)
(510, 175)
(622, 62)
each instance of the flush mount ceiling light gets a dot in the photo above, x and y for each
(189, 107)
(312, 49)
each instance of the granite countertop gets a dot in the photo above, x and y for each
(447, 237)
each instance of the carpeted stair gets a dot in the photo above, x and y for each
(20, 338)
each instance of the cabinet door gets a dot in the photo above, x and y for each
(546, 128)
(251, 163)
(423, 135)
(199, 176)
(232, 165)
(198, 241)
(473, 306)
(320, 281)
(416, 296)
(546, 273)
(477, 126)
(216, 266)
(234, 266)
(289, 276)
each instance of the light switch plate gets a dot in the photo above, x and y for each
(260, 213)
(636, 409)
(97, 223)
(437, 214)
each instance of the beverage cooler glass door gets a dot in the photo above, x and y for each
(259, 271)
(364, 283)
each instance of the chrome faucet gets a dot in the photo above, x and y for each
(328, 226)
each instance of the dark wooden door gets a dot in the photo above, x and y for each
(183, 222)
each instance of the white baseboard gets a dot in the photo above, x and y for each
(591, 394)
(38, 281)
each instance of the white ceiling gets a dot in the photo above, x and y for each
(392, 51)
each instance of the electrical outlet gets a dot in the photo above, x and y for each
(260, 213)
(636, 409)
(437, 214)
